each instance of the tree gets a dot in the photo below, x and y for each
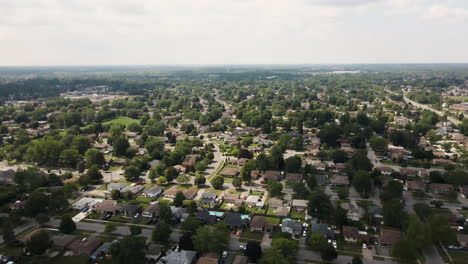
(190, 224)
(363, 183)
(422, 210)
(237, 182)
(70, 157)
(393, 213)
(419, 232)
(161, 233)
(165, 213)
(182, 179)
(94, 174)
(8, 234)
(94, 157)
(199, 180)
(213, 238)
(130, 249)
(253, 250)
(293, 164)
(170, 173)
(356, 260)
(404, 251)
(179, 199)
(135, 230)
(328, 253)
(217, 182)
(320, 205)
(132, 173)
(287, 247)
(393, 190)
(378, 144)
(245, 172)
(110, 228)
(317, 241)
(38, 243)
(339, 156)
(42, 218)
(36, 203)
(273, 256)
(161, 180)
(192, 208)
(440, 229)
(67, 226)
(120, 145)
(360, 161)
(275, 188)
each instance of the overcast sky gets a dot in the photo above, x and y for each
(110, 32)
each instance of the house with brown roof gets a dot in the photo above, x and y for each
(340, 181)
(107, 207)
(171, 193)
(257, 223)
(352, 235)
(415, 185)
(232, 198)
(274, 203)
(230, 172)
(190, 194)
(441, 188)
(241, 260)
(385, 170)
(209, 258)
(409, 172)
(389, 236)
(272, 175)
(254, 174)
(294, 177)
(84, 247)
(282, 211)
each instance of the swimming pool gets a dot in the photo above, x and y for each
(245, 217)
(218, 214)
(287, 219)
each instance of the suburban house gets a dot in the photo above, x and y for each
(230, 172)
(322, 229)
(61, 242)
(85, 247)
(352, 235)
(415, 185)
(274, 203)
(340, 181)
(171, 193)
(179, 257)
(208, 198)
(232, 198)
(153, 252)
(134, 189)
(86, 202)
(257, 223)
(130, 210)
(272, 175)
(190, 194)
(321, 179)
(294, 177)
(151, 211)
(209, 258)
(389, 236)
(206, 218)
(235, 220)
(252, 200)
(107, 207)
(102, 251)
(153, 192)
(385, 170)
(254, 174)
(299, 205)
(292, 227)
(282, 211)
(409, 172)
(441, 188)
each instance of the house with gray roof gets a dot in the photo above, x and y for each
(292, 227)
(179, 257)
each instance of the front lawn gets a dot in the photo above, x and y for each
(123, 120)
(71, 260)
(247, 234)
(297, 215)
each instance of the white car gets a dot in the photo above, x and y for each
(242, 247)
(364, 245)
(334, 244)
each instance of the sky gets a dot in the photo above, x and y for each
(199, 32)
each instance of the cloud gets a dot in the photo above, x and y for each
(443, 11)
(344, 3)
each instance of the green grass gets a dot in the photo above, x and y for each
(297, 215)
(247, 234)
(463, 212)
(12, 251)
(124, 120)
(458, 257)
(233, 191)
(273, 220)
(270, 212)
(70, 260)
(352, 247)
(255, 210)
(144, 199)
(378, 258)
